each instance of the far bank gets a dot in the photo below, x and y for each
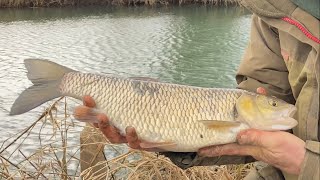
(63, 3)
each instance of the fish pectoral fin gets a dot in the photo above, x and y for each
(161, 145)
(215, 123)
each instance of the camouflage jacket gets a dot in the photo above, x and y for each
(283, 57)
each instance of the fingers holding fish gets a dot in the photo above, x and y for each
(88, 101)
(135, 143)
(111, 132)
(276, 148)
(132, 138)
(252, 137)
(261, 90)
(86, 114)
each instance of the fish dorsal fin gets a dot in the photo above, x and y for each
(144, 79)
(215, 123)
(160, 145)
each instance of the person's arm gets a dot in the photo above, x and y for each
(263, 66)
(310, 168)
(279, 149)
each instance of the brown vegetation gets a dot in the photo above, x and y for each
(60, 3)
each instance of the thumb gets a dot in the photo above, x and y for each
(261, 90)
(252, 137)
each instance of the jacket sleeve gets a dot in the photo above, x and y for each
(262, 64)
(310, 168)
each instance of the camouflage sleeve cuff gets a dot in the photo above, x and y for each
(313, 146)
(310, 166)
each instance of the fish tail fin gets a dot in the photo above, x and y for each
(46, 77)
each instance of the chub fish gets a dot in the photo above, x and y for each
(171, 117)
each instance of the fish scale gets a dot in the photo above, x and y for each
(125, 97)
(168, 116)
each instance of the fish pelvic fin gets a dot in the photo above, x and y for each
(46, 77)
(160, 145)
(219, 123)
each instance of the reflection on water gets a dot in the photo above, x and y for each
(199, 46)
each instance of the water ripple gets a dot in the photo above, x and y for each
(197, 46)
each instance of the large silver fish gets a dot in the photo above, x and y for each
(171, 117)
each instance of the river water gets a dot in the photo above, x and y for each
(192, 45)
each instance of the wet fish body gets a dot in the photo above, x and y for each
(172, 117)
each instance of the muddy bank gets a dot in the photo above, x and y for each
(62, 3)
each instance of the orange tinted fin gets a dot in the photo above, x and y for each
(214, 123)
(161, 145)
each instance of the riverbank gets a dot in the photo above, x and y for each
(62, 3)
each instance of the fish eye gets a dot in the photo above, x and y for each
(273, 103)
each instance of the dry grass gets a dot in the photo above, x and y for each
(60, 3)
(153, 166)
(59, 158)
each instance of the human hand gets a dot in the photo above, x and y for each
(280, 149)
(87, 113)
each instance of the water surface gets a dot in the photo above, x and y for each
(200, 46)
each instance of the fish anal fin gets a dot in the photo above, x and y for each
(160, 145)
(215, 123)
